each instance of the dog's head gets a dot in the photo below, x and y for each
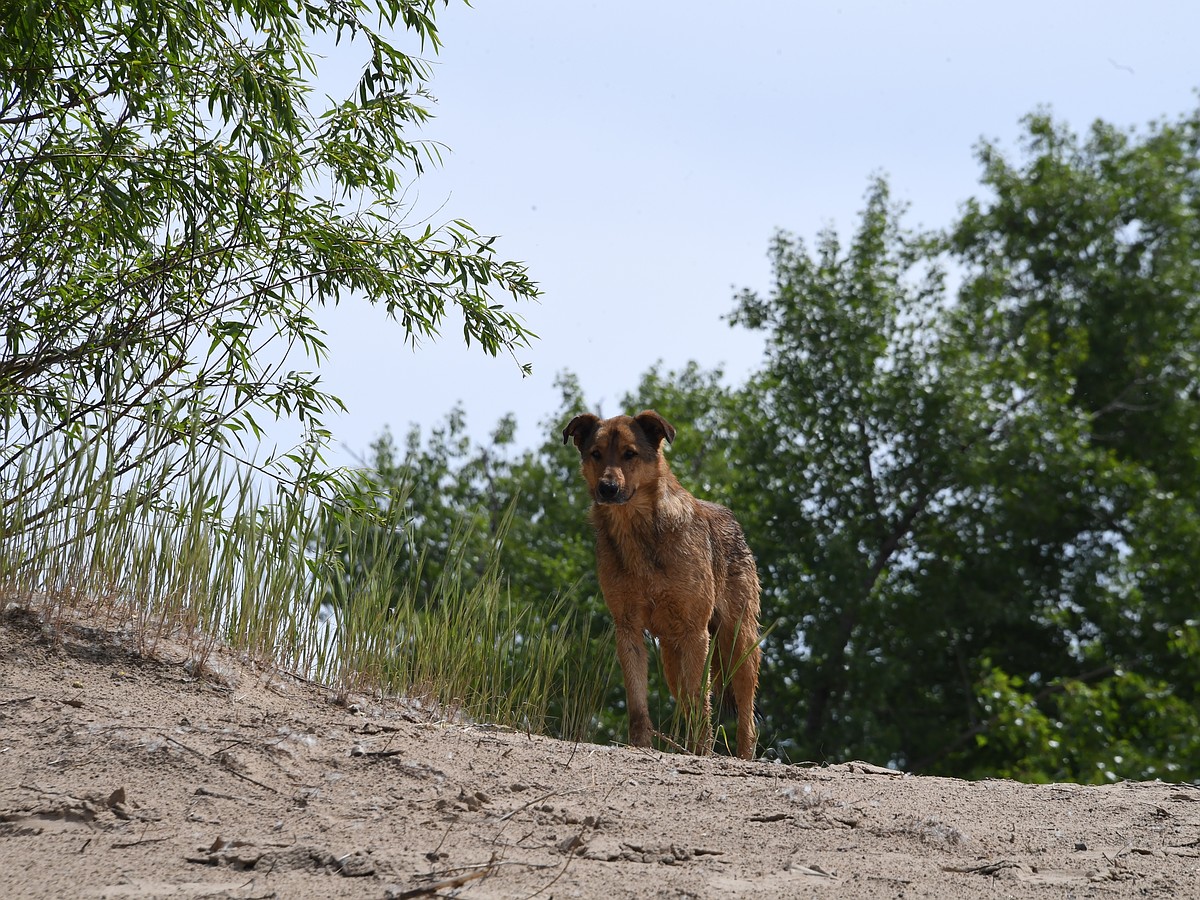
(620, 454)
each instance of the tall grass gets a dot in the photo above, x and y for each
(231, 559)
(466, 643)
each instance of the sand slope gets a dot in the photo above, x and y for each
(122, 776)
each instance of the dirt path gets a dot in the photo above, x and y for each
(126, 777)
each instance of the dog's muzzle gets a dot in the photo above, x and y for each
(608, 492)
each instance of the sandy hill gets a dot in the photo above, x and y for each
(124, 776)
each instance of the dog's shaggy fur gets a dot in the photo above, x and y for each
(676, 567)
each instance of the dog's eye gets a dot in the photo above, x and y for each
(630, 454)
(596, 454)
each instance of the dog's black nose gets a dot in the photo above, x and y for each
(607, 490)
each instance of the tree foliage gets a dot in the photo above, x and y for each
(967, 468)
(976, 493)
(175, 201)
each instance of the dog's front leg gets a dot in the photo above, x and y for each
(631, 653)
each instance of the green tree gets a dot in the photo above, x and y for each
(459, 495)
(1081, 269)
(175, 201)
(858, 415)
(976, 513)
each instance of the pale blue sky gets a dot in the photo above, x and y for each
(639, 156)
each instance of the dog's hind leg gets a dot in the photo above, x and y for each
(735, 678)
(745, 684)
(694, 692)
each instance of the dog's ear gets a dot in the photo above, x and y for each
(579, 428)
(656, 427)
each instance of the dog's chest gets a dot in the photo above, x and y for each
(648, 549)
(655, 567)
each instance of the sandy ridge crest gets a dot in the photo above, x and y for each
(122, 776)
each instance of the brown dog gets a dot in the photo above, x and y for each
(676, 567)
